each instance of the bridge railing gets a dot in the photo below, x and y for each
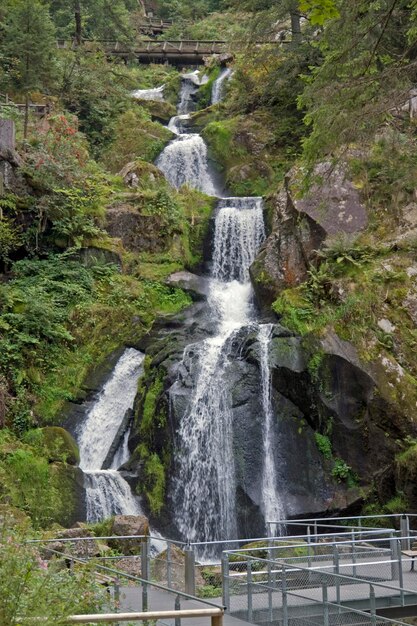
(275, 590)
(140, 591)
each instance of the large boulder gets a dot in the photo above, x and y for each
(60, 445)
(197, 286)
(300, 225)
(136, 526)
(137, 232)
(285, 258)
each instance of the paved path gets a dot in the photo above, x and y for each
(131, 600)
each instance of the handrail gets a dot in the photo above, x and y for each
(121, 574)
(215, 614)
(342, 577)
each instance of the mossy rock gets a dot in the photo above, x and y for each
(60, 445)
(159, 111)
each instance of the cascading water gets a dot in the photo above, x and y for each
(219, 85)
(184, 160)
(205, 487)
(273, 508)
(149, 94)
(203, 490)
(107, 493)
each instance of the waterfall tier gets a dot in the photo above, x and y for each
(219, 85)
(107, 493)
(205, 486)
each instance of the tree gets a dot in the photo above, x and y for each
(27, 47)
(367, 70)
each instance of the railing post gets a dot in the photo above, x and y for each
(144, 557)
(217, 620)
(353, 554)
(189, 571)
(169, 565)
(308, 546)
(116, 597)
(177, 607)
(337, 572)
(270, 590)
(225, 582)
(394, 557)
(284, 597)
(249, 587)
(372, 604)
(325, 606)
(405, 532)
(400, 572)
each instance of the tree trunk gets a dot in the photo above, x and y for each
(295, 27)
(78, 25)
(26, 124)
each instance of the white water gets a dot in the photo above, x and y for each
(184, 161)
(205, 486)
(107, 493)
(149, 94)
(219, 85)
(272, 505)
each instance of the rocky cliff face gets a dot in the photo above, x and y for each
(341, 421)
(299, 226)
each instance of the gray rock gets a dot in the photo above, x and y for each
(197, 286)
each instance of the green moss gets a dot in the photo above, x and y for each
(204, 92)
(60, 445)
(152, 396)
(154, 479)
(135, 136)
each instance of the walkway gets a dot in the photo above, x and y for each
(131, 600)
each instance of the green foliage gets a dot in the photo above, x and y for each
(10, 238)
(30, 588)
(27, 45)
(319, 11)
(324, 445)
(341, 470)
(58, 156)
(28, 481)
(101, 19)
(367, 68)
(135, 135)
(209, 591)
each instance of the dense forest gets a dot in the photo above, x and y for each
(318, 88)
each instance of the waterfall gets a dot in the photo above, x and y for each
(107, 493)
(219, 85)
(184, 160)
(205, 486)
(149, 94)
(272, 506)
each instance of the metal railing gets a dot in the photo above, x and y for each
(274, 590)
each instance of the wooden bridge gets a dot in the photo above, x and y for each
(183, 52)
(153, 27)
